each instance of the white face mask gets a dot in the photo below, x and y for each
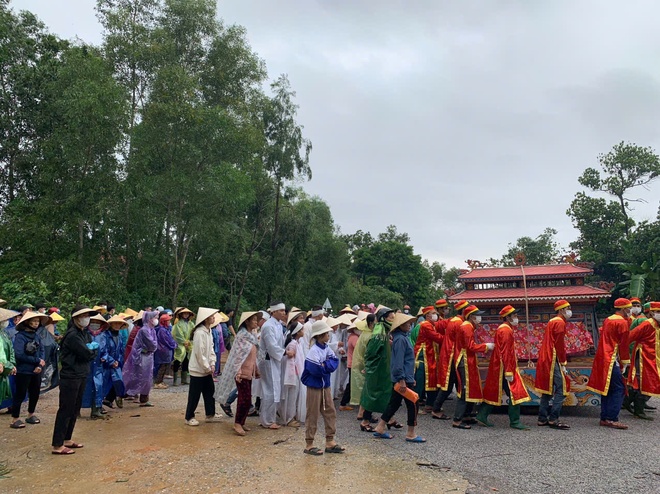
(656, 316)
(635, 311)
(477, 319)
(154, 322)
(434, 317)
(83, 321)
(514, 321)
(568, 314)
(94, 327)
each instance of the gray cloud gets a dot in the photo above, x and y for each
(466, 124)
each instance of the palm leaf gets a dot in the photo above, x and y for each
(637, 285)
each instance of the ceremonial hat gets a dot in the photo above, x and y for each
(507, 310)
(622, 303)
(427, 309)
(43, 319)
(247, 315)
(440, 303)
(460, 305)
(203, 313)
(471, 309)
(401, 319)
(635, 299)
(653, 306)
(117, 319)
(561, 304)
(647, 306)
(319, 328)
(6, 314)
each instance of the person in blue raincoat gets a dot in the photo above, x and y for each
(113, 362)
(164, 355)
(93, 395)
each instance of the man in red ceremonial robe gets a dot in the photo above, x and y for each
(427, 349)
(503, 374)
(446, 367)
(467, 367)
(606, 372)
(644, 376)
(551, 379)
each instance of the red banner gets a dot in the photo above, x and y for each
(528, 341)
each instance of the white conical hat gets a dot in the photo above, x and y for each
(204, 313)
(293, 314)
(247, 315)
(43, 318)
(6, 314)
(401, 319)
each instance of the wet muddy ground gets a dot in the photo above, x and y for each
(152, 450)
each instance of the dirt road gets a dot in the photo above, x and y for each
(152, 450)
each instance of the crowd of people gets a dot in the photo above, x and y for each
(289, 366)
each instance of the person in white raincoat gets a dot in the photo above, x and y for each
(271, 352)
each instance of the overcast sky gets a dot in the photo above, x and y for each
(466, 124)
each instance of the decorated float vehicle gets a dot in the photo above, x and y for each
(533, 290)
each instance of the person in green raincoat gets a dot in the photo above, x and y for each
(7, 358)
(365, 326)
(377, 386)
(181, 334)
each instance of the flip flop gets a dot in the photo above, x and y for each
(384, 435)
(63, 451)
(335, 449)
(443, 416)
(17, 425)
(394, 424)
(75, 445)
(559, 425)
(313, 451)
(542, 424)
(32, 420)
(418, 439)
(461, 426)
(147, 404)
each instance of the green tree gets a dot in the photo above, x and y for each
(540, 250)
(625, 168)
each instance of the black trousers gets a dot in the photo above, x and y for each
(200, 386)
(463, 407)
(176, 365)
(346, 397)
(29, 384)
(71, 395)
(443, 395)
(395, 403)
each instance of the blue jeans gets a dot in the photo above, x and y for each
(232, 397)
(610, 404)
(547, 413)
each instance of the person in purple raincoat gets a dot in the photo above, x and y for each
(165, 353)
(138, 369)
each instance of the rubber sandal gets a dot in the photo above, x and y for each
(542, 424)
(63, 451)
(418, 439)
(366, 428)
(384, 435)
(313, 451)
(443, 416)
(17, 425)
(32, 420)
(227, 410)
(74, 445)
(559, 425)
(147, 405)
(461, 426)
(395, 424)
(335, 449)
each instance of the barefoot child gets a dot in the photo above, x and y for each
(320, 363)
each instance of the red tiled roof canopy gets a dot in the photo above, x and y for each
(533, 294)
(531, 272)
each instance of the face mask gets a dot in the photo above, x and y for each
(635, 311)
(434, 317)
(4, 324)
(154, 322)
(656, 316)
(568, 314)
(406, 311)
(514, 321)
(94, 327)
(477, 319)
(84, 321)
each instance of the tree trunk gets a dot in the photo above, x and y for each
(273, 243)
